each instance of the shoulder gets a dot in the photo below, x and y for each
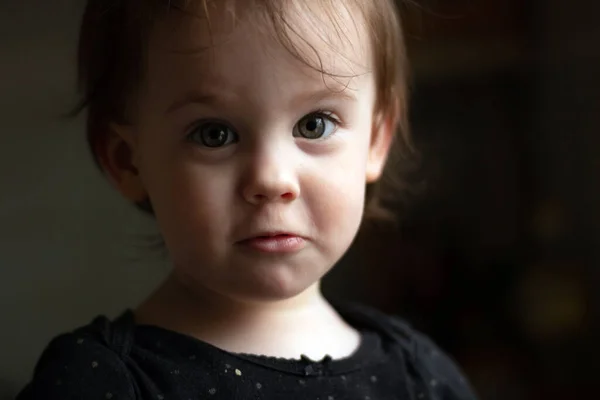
(436, 372)
(433, 374)
(84, 364)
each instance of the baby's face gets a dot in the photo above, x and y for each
(255, 163)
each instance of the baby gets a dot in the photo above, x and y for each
(251, 131)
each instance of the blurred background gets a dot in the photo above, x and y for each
(497, 256)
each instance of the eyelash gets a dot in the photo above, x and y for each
(321, 112)
(326, 114)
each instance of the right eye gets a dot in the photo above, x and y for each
(212, 134)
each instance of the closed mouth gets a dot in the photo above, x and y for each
(274, 242)
(272, 235)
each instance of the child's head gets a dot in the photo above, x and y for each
(243, 119)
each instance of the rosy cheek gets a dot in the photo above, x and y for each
(337, 193)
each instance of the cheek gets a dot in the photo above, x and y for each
(337, 194)
(196, 196)
(188, 201)
(343, 191)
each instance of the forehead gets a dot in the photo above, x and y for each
(316, 38)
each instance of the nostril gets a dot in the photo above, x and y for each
(264, 196)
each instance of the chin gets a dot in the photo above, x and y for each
(273, 287)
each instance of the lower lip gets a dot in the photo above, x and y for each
(276, 244)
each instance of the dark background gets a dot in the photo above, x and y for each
(497, 255)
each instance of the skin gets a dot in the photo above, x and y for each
(267, 177)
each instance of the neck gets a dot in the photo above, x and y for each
(283, 328)
(197, 303)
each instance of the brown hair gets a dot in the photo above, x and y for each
(112, 56)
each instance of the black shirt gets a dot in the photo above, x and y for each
(119, 360)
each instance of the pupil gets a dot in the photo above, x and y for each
(215, 135)
(311, 125)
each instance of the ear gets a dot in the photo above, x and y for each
(382, 137)
(117, 155)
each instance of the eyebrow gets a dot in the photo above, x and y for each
(336, 93)
(210, 97)
(192, 98)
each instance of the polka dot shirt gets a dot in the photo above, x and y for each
(121, 361)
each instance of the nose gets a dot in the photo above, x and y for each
(270, 177)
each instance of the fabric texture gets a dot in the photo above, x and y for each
(122, 361)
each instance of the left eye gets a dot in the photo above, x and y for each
(315, 126)
(213, 134)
